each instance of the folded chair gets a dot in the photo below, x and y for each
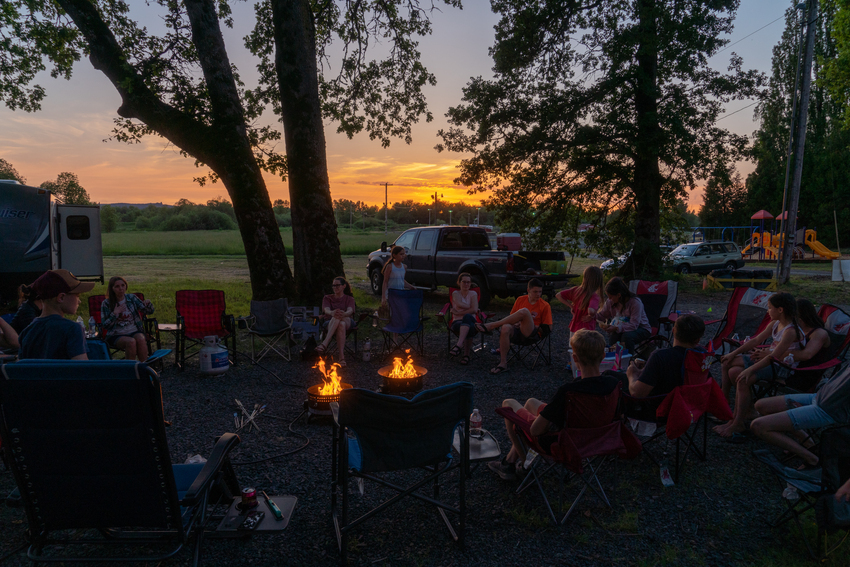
(377, 434)
(269, 323)
(659, 304)
(682, 413)
(152, 336)
(593, 431)
(445, 316)
(98, 350)
(406, 321)
(814, 489)
(746, 316)
(89, 452)
(532, 349)
(201, 313)
(809, 373)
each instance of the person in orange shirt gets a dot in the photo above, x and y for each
(530, 315)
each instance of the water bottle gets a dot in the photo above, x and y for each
(475, 421)
(735, 337)
(789, 360)
(81, 324)
(92, 325)
(367, 350)
(747, 338)
(375, 319)
(529, 459)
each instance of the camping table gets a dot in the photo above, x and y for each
(480, 450)
(170, 328)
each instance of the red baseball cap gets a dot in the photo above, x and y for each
(53, 282)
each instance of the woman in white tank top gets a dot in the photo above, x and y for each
(393, 272)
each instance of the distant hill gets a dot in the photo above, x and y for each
(137, 205)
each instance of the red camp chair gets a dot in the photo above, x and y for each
(746, 316)
(445, 316)
(201, 313)
(151, 327)
(680, 413)
(809, 373)
(659, 304)
(593, 431)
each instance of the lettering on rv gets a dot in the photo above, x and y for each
(14, 214)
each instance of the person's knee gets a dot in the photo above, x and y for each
(758, 427)
(511, 403)
(763, 406)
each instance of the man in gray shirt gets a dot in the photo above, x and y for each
(795, 413)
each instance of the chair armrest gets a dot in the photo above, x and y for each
(712, 322)
(441, 315)
(223, 446)
(229, 323)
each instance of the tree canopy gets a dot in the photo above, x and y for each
(596, 107)
(67, 189)
(8, 171)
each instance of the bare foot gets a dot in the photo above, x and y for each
(719, 429)
(731, 430)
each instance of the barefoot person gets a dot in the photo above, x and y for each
(530, 315)
(547, 419)
(741, 370)
(121, 320)
(338, 309)
(51, 335)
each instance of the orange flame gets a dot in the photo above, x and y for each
(403, 370)
(332, 380)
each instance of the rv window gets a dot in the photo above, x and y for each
(78, 227)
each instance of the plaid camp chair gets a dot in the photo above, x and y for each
(406, 321)
(201, 313)
(90, 455)
(682, 413)
(746, 316)
(152, 336)
(659, 304)
(378, 435)
(813, 489)
(593, 431)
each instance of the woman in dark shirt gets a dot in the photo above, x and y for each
(28, 309)
(338, 308)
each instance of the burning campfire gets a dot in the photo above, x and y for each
(402, 376)
(321, 395)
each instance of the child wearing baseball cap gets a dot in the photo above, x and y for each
(51, 335)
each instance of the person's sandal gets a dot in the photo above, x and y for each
(464, 360)
(321, 349)
(481, 328)
(498, 369)
(455, 351)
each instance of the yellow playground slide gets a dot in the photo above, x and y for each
(818, 248)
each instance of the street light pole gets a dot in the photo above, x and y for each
(429, 217)
(478, 217)
(450, 216)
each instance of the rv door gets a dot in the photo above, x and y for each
(78, 245)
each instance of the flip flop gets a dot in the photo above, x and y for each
(736, 438)
(456, 350)
(498, 369)
(481, 328)
(321, 349)
(464, 360)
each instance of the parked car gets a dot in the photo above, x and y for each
(614, 263)
(436, 255)
(703, 257)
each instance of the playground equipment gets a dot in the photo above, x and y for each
(818, 248)
(768, 245)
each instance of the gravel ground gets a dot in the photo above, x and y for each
(716, 516)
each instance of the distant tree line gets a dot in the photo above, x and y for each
(357, 214)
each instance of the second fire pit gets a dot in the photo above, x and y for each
(402, 377)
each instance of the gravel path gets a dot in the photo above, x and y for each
(715, 517)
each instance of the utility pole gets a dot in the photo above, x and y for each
(386, 203)
(805, 89)
(429, 217)
(350, 214)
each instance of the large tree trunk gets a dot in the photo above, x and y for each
(645, 260)
(314, 229)
(223, 145)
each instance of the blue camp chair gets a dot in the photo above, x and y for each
(89, 452)
(406, 321)
(99, 350)
(376, 434)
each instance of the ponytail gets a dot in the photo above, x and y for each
(396, 250)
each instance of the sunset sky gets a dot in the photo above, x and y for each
(68, 134)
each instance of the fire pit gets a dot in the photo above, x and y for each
(320, 396)
(402, 377)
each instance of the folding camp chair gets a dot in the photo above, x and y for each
(376, 434)
(89, 451)
(350, 331)
(593, 431)
(406, 321)
(152, 336)
(681, 413)
(811, 488)
(201, 313)
(445, 316)
(537, 346)
(98, 350)
(268, 322)
(659, 304)
(746, 316)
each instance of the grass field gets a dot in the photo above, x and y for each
(221, 242)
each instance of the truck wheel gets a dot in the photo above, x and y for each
(684, 269)
(484, 291)
(376, 280)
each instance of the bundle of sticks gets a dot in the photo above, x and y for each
(247, 418)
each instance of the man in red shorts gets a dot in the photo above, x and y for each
(589, 350)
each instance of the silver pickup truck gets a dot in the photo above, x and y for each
(437, 254)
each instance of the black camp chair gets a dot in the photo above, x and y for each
(377, 433)
(89, 451)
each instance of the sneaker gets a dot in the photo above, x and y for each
(506, 471)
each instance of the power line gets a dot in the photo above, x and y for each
(746, 36)
(736, 112)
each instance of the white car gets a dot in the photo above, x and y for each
(614, 263)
